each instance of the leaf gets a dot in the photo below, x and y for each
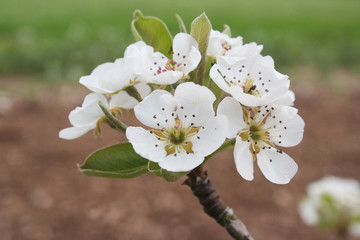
(155, 169)
(181, 24)
(227, 30)
(153, 32)
(200, 30)
(116, 161)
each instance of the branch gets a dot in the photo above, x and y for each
(204, 190)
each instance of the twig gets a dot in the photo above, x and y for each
(204, 190)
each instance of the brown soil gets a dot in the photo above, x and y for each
(44, 197)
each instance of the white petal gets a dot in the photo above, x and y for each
(277, 167)
(218, 79)
(123, 100)
(290, 131)
(308, 212)
(233, 111)
(355, 229)
(186, 51)
(196, 103)
(287, 99)
(243, 159)
(90, 110)
(181, 162)
(156, 109)
(165, 78)
(250, 50)
(143, 89)
(74, 132)
(211, 136)
(146, 144)
(108, 77)
(246, 99)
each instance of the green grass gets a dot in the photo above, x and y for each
(66, 39)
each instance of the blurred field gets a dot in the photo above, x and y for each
(44, 197)
(65, 39)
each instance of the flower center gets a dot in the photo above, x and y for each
(177, 136)
(249, 87)
(171, 65)
(226, 47)
(177, 139)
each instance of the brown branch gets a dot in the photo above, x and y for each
(204, 190)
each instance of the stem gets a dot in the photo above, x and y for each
(204, 190)
(113, 121)
(131, 90)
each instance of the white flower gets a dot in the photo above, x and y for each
(334, 203)
(183, 128)
(257, 131)
(252, 82)
(89, 115)
(159, 69)
(220, 44)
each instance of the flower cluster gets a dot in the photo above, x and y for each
(333, 203)
(178, 109)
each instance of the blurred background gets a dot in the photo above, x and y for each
(45, 46)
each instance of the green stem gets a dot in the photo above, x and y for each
(131, 90)
(113, 121)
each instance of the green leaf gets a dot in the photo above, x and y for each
(181, 24)
(155, 169)
(227, 30)
(153, 32)
(116, 161)
(200, 30)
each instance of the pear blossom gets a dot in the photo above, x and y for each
(334, 203)
(220, 44)
(157, 68)
(111, 78)
(183, 128)
(257, 132)
(89, 115)
(252, 82)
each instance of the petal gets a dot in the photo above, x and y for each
(277, 167)
(143, 89)
(181, 162)
(244, 98)
(355, 229)
(74, 132)
(166, 78)
(218, 79)
(287, 127)
(146, 144)
(186, 51)
(250, 50)
(122, 100)
(108, 77)
(196, 103)
(233, 111)
(287, 99)
(308, 212)
(90, 110)
(211, 136)
(243, 159)
(156, 109)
